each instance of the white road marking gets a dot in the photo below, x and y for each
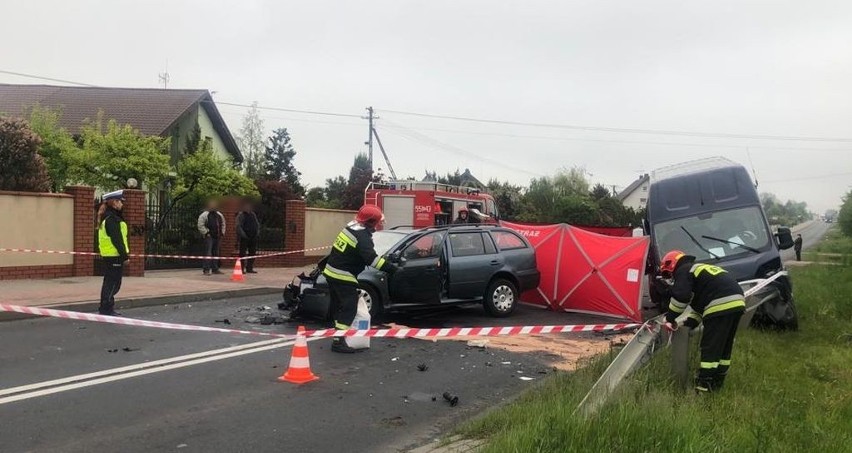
(138, 366)
(117, 374)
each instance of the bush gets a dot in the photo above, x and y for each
(22, 167)
(845, 216)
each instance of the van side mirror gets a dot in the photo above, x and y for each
(784, 237)
(396, 257)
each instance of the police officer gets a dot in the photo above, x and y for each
(717, 301)
(114, 248)
(351, 252)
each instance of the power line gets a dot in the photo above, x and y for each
(50, 79)
(597, 140)
(436, 144)
(805, 178)
(287, 118)
(623, 130)
(282, 109)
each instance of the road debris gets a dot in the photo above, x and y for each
(394, 421)
(478, 343)
(422, 367)
(225, 321)
(525, 378)
(452, 399)
(394, 359)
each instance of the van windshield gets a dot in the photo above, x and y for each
(718, 234)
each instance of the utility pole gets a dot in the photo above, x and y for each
(369, 141)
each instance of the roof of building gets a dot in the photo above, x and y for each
(633, 186)
(466, 179)
(153, 111)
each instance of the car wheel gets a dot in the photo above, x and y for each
(374, 302)
(501, 298)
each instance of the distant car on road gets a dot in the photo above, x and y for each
(438, 266)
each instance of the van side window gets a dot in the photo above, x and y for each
(507, 240)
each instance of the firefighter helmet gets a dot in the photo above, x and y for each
(369, 215)
(669, 262)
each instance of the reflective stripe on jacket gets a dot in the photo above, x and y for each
(351, 252)
(709, 289)
(112, 234)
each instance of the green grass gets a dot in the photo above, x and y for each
(835, 249)
(787, 391)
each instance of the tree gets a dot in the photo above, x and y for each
(23, 169)
(279, 161)
(507, 196)
(315, 197)
(56, 144)
(206, 175)
(360, 176)
(252, 143)
(787, 213)
(110, 156)
(335, 191)
(600, 192)
(844, 218)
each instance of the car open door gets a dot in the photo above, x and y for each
(421, 274)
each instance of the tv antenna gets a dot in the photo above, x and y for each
(164, 77)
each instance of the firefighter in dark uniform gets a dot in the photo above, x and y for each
(463, 217)
(113, 247)
(351, 252)
(716, 299)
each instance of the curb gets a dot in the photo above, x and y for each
(123, 304)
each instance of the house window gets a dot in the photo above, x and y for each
(643, 200)
(644, 188)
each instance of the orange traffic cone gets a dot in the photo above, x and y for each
(300, 366)
(237, 276)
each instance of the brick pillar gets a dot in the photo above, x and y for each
(85, 223)
(134, 216)
(294, 232)
(229, 245)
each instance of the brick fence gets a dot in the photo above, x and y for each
(83, 221)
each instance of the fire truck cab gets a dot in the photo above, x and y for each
(423, 204)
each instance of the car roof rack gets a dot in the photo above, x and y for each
(443, 227)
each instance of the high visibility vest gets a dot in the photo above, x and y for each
(105, 243)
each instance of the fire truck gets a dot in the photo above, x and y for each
(418, 204)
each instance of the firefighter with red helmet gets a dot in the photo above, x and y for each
(352, 251)
(463, 217)
(716, 299)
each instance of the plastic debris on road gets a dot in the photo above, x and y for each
(478, 343)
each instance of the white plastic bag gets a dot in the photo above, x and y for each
(361, 322)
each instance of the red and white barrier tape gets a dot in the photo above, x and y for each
(378, 333)
(185, 257)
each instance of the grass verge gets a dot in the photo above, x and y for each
(788, 391)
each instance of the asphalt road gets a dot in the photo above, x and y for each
(230, 400)
(811, 235)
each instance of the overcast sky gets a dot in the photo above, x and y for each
(781, 68)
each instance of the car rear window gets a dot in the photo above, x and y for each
(467, 244)
(507, 240)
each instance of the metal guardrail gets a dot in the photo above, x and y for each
(635, 353)
(650, 339)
